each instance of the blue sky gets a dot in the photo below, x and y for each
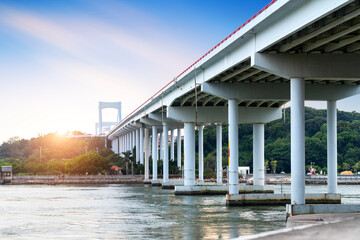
(60, 58)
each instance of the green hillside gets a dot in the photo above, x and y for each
(59, 154)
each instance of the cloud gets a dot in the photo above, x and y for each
(88, 37)
(42, 29)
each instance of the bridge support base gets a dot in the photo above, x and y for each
(279, 199)
(219, 189)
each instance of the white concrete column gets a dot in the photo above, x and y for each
(201, 153)
(219, 154)
(130, 142)
(258, 154)
(122, 144)
(189, 153)
(166, 153)
(234, 149)
(172, 147)
(133, 141)
(126, 142)
(331, 147)
(149, 145)
(154, 151)
(118, 139)
(113, 145)
(146, 148)
(141, 144)
(137, 144)
(297, 96)
(161, 146)
(179, 148)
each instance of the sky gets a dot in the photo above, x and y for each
(58, 59)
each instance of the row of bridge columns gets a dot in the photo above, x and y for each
(189, 148)
(297, 97)
(143, 150)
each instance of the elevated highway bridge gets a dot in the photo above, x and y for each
(291, 50)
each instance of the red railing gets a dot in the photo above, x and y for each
(217, 45)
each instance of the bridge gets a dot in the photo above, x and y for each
(289, 51)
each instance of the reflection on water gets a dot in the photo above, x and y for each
(128, 212)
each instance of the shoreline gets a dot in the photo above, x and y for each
(69, 179)
(139, 179)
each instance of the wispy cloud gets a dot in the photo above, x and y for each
(42, 29)
(83, 37)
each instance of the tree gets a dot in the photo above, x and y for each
(346, 166)
(91, 163)
(273, 164)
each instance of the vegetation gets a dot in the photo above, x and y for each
(62, 155)
(56, 154)
(277, 142)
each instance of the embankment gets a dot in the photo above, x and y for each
(67, 179)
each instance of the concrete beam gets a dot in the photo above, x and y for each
(311, 66)
(220, 114)
(137, 124)
(151, 122)
(279, 91)
(172, 124)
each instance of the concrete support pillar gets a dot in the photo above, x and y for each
(154, 151)
(234, 150)
(133, 141)
(130, 142)
(219, 154)
(137, 144)
(178, 147)
(146, 150)
(150, 145)
(172, 147)
(126, 142)
(297, 96)
(161, 146)
(201, 153)
(122, 145)
(331, 147)
(189, 153)
(166, 153)
(118, 141)
(141, 145)
(258, 154)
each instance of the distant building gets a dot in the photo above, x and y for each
(6, 174)
(244, 170)
(116, 169)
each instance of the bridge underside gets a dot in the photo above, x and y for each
(318, 61)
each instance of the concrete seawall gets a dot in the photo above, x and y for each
(67, 179)
(315, 226)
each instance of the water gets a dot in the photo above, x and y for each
(132, 212)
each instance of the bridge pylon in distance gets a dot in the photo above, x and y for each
(99, 127)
